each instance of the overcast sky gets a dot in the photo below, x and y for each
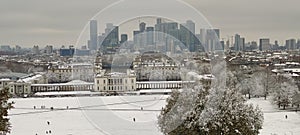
(59, 22)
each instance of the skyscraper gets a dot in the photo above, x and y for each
(36, 50)
(242, 44)
(210, 39)
(290, 44)
(264, 44)
(124, 38)
(237, 43)
(142, 26)
(191, 26)
(111, 36)
(150, 35)
(92, 44)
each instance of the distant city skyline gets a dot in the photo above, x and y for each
(60, 22)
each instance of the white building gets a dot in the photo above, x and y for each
(4, 82)
(66, 73)
(22, 87)
(115, 82)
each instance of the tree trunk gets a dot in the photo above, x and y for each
(265, 96)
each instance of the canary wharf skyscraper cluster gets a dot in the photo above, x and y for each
(167, 36)
(164, 35)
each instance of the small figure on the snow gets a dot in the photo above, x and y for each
(34, 107)
(46, 132)
(67, 107)
(142, 108)
(133, 119)
(49, 131)
(286, 116)
(48, 122)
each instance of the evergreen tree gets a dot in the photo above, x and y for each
(4, 107)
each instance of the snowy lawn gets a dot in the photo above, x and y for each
(275, 121)
(114, 116)
(87, 115)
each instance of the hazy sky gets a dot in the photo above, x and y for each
(59, 22)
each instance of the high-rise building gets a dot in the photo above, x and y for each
(67, 51)
(210, 39)
(49, 49)
(110, 37)
(124, 38)
(36, 50)
(92, 44)
(242, 44)
(264, 44)
(162, 30)
(142, 26)
(136, 39)
(150, 35)
(253, 45)
(5, 48)
(237, 43)
(275, 46)
(158, 21)
(290, 44)
(191, 26)
(18, 49)
(187, 38)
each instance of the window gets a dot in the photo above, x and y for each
(104, 88)
(125, 81)
(132, 81)
(104, 81)
(97, 81)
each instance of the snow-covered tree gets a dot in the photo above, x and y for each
(227, 113)
(267, 82)
(283, 95)
(173, 117)
(213, 111)
(4, 107)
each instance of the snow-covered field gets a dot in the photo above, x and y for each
(114, 116)
(87, 115)
(275, 122)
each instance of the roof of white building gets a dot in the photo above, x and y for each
(64, 93)
(5, 80)
(29, 79)
(196, 75)
(294, 70)
(74, 82)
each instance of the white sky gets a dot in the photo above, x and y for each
(57, 22)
